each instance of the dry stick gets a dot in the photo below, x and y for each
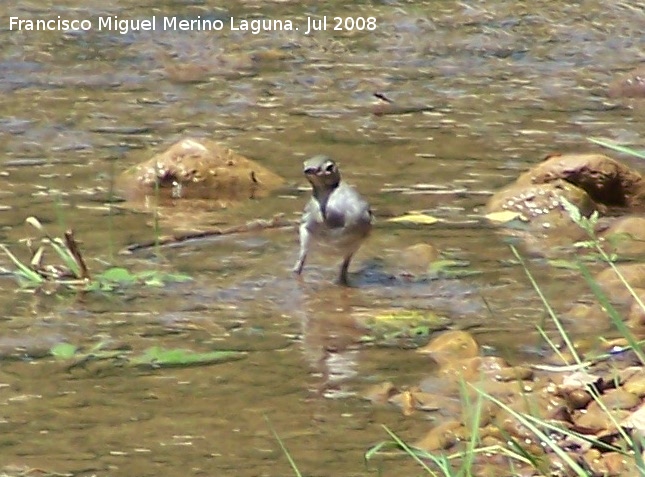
(72, 246)
(260, 224)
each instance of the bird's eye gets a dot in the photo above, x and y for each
(330, 167)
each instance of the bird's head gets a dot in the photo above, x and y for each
(322, 172)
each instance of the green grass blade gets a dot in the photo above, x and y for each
(292, 463)
(547, 306)
(616, 147)
(529, 423)
(442, 463)
(66, 256)
(23, 269)
(613, 314)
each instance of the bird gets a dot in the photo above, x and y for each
(336, 219)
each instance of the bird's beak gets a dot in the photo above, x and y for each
(312, 171)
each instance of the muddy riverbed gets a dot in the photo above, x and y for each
(496, 87)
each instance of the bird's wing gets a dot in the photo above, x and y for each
(346, 206)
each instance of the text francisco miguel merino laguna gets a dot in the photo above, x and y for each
(114, 23)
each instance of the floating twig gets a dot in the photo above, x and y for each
(278, 221)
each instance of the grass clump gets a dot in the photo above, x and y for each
(71, 271)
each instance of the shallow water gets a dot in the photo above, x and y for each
(508, 82)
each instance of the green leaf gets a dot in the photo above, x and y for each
(160, 357)
(63, 351)
(118, 275)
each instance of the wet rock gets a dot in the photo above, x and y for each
(626, 236)
(636, 384)
(579, 380)
(615, 399)
(416, 399)
(636, 313)
(416, 259)
(477, 368)
(199, 169)
(450, 347)
(405, 401)
(585, 316)
(606, 180)
(540, 404)
(442, 437)
(636, 422)
(541, 203)
(578, 398)
(612, 464)
(612, 285)
(631, 85)
(507, 423)
(514, 373)
(591, 182)
(380, 393)
(594, 420)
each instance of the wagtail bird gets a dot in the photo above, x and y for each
(336, 219)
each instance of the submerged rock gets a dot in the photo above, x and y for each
(631, 85)
(198, 169)
(416, 259)
(451, 347)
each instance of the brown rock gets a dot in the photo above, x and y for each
(478, 367)
(515, 373)
(198, 169)
(626, 236)
(451, 346)
(578, 398)
(594, 420)
(586, 316)
(417, 258)
(380, 393)
(614, 464)
(612, 285)
(541, 203)
(636, 315)
(631, 85)
(636, 384)
(615, 399)
(443, 436)
(539, 404)
(607, 181)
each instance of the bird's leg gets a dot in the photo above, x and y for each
(342, 279)
(304, 247)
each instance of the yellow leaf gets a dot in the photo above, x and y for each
(503, 216)
(415, 219)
